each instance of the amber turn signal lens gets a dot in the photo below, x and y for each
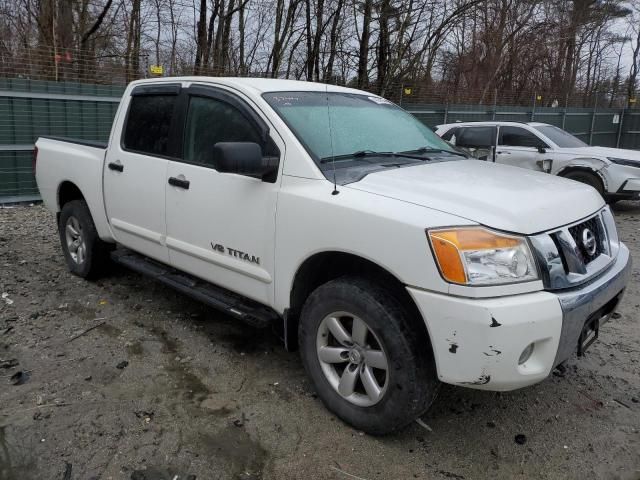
(475, 239)
(448, 259)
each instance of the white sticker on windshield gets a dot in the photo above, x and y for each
(285, 100)
(380, 100)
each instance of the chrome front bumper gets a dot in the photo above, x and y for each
(599, 296)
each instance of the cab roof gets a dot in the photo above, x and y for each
(492, 123)
(258, 85)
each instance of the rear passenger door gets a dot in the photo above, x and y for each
(135, 170)
(478, 141)
(221, 226)
(519, 147)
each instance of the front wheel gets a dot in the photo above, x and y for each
(370, 363)
(587, 178)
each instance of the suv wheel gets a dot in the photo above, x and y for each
(367, 359)
(86, 255)
(588, 179)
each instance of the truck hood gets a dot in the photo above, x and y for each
(602, 152)
(499, 196)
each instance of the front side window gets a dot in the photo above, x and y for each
(210, 121)
(148, 123)
(518, 137)
(561, 138)
(332, 124)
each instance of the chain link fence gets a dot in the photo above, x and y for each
(76, 94)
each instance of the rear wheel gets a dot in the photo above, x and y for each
(86, 255)
(366, 357)
(587, 178)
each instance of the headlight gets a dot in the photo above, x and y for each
(478, 256)
(625, 162)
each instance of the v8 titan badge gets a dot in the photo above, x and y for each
(235, 253)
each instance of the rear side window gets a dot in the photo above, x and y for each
(449, 134)
(148, 123)
(475, 137)
(518, 137)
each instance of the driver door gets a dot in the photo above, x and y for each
(221, 226)
(520, 148)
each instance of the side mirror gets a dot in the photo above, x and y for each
(243, 158)
(545, 165)
(541, 149)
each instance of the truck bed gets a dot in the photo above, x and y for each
(62, 161)
(78, 141)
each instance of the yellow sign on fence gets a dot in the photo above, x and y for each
(156, 69)
(407, 90)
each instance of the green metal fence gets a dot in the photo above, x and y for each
(30, 108)
(619, 128)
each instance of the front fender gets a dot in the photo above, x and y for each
(594, 165)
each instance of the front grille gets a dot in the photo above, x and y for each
(567, 260)
(583, 234)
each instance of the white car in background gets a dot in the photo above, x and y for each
(614, 172)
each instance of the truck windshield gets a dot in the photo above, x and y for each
(561, 138)
(359, 124)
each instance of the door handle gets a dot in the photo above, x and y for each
(503, 153)
(179, 182)
(118, 167)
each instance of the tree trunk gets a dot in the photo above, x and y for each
(242, 68)
(633, 72)
(363, 53)
(333, 41)
(201, 40)
(132, 54)
(383, 46)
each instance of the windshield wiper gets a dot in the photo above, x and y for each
(358, 154)
(432, 150)
(412, 154)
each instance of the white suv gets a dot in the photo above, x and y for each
(614, 172)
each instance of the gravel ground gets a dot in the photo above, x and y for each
(164, 387)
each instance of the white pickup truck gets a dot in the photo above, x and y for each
(392, 262)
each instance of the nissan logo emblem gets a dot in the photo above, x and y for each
(589, 242)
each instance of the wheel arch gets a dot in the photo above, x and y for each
(584, 166)
(67, 192)
(323, 267)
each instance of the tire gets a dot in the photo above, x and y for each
(588, 179)
(408, 386)
(87, 256)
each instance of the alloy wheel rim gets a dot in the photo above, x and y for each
(352, 358)
(75, 240)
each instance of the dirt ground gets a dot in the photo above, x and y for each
(203, 397)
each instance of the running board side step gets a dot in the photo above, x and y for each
(249, 311)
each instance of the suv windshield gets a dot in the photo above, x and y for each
(561, 138)
(359, 124)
